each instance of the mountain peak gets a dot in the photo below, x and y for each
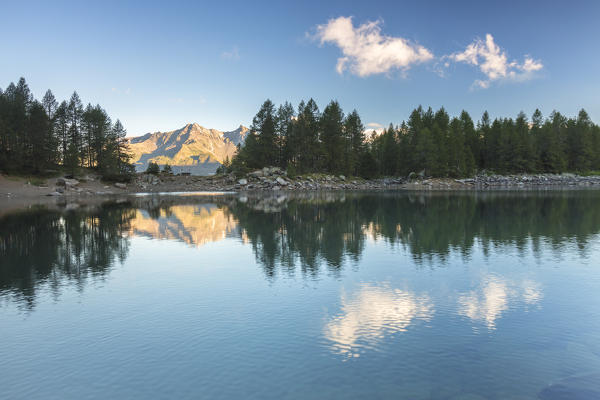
(193, 148)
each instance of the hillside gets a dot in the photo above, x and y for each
(193, 148)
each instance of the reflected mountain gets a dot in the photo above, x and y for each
(192, 224)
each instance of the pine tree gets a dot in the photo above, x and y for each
(355, 142)
(285, 121)
(36, 136)
(306, 133)
(472, 141)
(332, 137)
(38, 131)
(263, 127)
(50, 106)
(74, 114)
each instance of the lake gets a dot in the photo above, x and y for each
(475, 295)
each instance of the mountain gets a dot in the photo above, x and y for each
(192, 149)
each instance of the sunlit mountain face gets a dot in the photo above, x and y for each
(193, 148)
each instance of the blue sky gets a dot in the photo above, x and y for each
(159, 65)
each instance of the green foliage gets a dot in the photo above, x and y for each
(224, 168)
(328, 142)
(261, 145)
(39, 136)
(332, 138)
(153, 168)
(367, 166)
(291, 171)
(167, 170)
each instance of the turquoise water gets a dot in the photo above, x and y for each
(410, 296)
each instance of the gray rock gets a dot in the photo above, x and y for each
(54, 194)
(243, 181)
(281, 181)
(71, 182)
(342, 178)
(120, 185)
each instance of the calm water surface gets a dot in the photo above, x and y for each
(404, 296)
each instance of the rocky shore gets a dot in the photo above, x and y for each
(274, 179)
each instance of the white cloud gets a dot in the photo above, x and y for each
(493, 62)
(366, 51)
(233, 54)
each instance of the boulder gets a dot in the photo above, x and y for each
(342, 178)
(66, 182)
(281, 181)
(120, 185)
(243, 181)
(54, 194)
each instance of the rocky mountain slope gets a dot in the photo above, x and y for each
(192, 149)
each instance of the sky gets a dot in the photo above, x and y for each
(157, 66)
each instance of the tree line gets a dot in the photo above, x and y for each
(38, 137)
(432, 143)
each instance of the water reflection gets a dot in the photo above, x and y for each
(53, 248)
(196, 224)
(442, 296)
(494, 296)
(305, 234)
(375, 311)
(328, 231)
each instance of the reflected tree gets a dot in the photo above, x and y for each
(43, 247)
(332, 230)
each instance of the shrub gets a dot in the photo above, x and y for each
(153, 168)
(167, 170)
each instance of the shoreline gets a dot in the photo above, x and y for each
(18, 192)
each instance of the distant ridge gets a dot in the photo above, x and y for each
(193, 148)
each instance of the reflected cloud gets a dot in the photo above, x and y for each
(375, 311)
(532, 292)
(496, 295)
(192, 224)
